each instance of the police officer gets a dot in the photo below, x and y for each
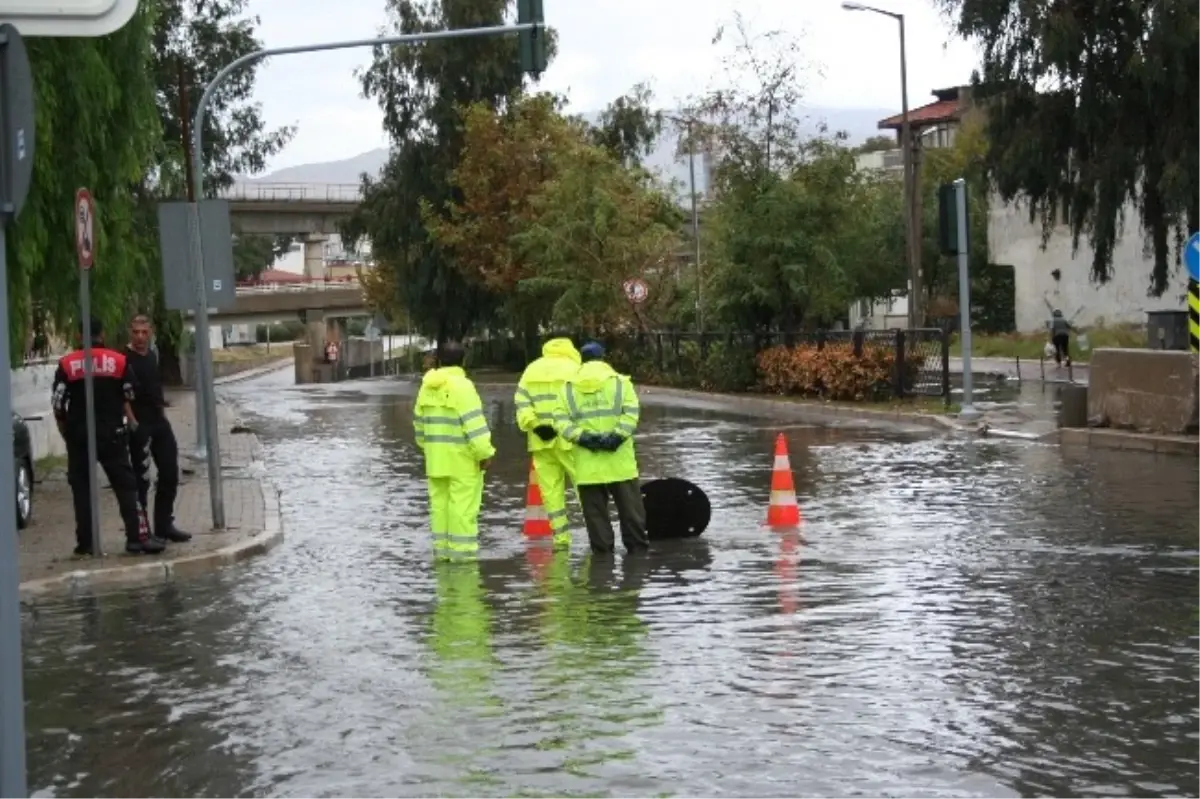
(536, 400)
(113, 387)
(154, 439)
(453, 433)
(598, 411)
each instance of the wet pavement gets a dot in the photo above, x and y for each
(958, 617)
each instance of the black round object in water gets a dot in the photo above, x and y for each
(675, 508)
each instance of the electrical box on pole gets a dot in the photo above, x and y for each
(948, 219)
(532, 42)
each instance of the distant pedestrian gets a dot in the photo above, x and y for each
(598, 412)
(154, 438)
(114, 385)
(453, 433)
(1060, 337)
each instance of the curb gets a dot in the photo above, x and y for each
(83, 582)
(1123, 440)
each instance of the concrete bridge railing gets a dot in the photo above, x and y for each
(320, 193)
(305, 285)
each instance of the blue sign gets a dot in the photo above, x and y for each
(1191, 256)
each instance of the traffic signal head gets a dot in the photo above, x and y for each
(532, 43)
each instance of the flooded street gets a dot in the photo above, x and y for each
(955, 618)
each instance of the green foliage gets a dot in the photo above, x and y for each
(629, 128)
(421, 90)
(1093, 105)
(254, 254)
(96, 127)
(279, 333)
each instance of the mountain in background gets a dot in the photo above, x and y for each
(858, 123)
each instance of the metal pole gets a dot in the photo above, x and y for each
(201, 452)
(12, 690)
(964, 299)
(89, 402)
(696, 233)
(912, 238)
(203, 352)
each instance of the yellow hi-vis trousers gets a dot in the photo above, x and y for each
(454, 515)
(553, 467)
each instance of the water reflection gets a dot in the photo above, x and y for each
(955, 618)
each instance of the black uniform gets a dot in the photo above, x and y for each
(113, 384)
(154, 439)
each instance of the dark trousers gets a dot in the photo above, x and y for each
(1062, 347)
(112, 452)
(155, 440)
(627, 496)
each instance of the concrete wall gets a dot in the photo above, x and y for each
(225, 369)
(1149, 391)
(1012, 240)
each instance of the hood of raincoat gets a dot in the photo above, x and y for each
(560, 348)
(592, 376)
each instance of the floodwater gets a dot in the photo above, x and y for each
(955, 618)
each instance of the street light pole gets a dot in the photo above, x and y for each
(912, 226)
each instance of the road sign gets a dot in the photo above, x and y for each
(1191, 256)
(85, 228)
(216, 236)
(67, 17)
(371, 333)
(16, 108)
(636, 290)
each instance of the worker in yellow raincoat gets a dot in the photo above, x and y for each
(452, 431)
(553, 459)
(598, 412)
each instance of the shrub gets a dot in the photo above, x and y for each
(280, 333)
(833, 373)
(727, 369)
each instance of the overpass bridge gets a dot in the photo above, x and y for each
(264, 303)
(309, 211)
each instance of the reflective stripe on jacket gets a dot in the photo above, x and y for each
(598, 400)
(449, 424)
(537, 392)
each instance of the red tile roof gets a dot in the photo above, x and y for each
(926, 115)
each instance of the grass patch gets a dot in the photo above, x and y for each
(1031, 345)
(49, 464)
(251, 352)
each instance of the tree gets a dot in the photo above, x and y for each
(254, 254)
(876, 144)
(421, 90)
(1093, 104)
(596, 225)
(628, 128)
(96, 126)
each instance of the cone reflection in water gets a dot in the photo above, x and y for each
(783, 510)
(785, 570)
(537, 523)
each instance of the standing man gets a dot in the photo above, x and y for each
(153, 438)
(113, 388)
(598, 412)
(453, 433)
(536, 400)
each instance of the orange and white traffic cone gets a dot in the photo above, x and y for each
(783, 510)
(537, 523)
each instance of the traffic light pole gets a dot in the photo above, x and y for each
(205, 390)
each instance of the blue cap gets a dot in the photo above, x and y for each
(591, 351)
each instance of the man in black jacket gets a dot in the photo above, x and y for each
(153, 438)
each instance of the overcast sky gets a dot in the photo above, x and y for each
(605, 47)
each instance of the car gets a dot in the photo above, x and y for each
(22, 470)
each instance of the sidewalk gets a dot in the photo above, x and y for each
(252, 523)
(1030, 369)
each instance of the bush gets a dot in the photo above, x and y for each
(832, 373)
(281, 333)
(727, 369)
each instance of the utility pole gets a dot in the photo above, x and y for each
(688, 123)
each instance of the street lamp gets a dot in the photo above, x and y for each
(687, 122)
(911, 228)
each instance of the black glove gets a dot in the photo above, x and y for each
(545, 432)
(612, 442)
(592, 441)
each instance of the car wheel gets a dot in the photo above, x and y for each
(24, 489)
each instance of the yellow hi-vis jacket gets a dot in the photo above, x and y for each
(598, 400)
(538, 389)
(450, 426)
